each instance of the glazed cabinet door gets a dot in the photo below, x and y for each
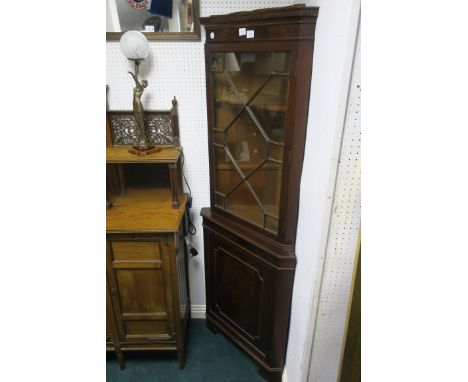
(249, 103)
(139, 276)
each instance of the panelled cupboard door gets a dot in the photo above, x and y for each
(241, 292)
(139, 277)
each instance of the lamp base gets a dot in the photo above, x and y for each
(142, 151)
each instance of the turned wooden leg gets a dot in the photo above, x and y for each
(120, 358)
(174, 185)
(108, 198)
(122, 180)
(181, 357)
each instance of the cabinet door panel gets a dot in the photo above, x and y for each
(141, 290)
(238, 291)
(140, 279)
(138, 328)
(137, 251)
(241, 291)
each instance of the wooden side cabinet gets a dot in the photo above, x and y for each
(148, 300)
(147, 288)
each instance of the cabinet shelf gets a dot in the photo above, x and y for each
(253, 213)
(145, 210)
(120, 154)
(259, 103)
(247, 167)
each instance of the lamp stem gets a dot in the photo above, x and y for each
(137, 67)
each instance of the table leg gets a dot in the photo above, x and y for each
(174, 185)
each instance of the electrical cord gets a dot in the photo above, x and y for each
(183, 175)
(191, 227)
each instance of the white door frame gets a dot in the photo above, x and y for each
(352, 31)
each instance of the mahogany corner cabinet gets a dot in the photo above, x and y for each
(258, 76)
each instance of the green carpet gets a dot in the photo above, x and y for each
(209, 357)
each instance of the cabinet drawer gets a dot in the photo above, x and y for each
(137, 251)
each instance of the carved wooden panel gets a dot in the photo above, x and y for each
(159, 128)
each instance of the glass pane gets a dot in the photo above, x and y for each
(218, 137)
(246, 144)
(227, 177)
(243, 204)
(266, 183)
(217, 63)
(219, 201)
(281, 62)
(248, 71)
(271, 224)
(269, 106)
(226, 103)
(276, 152)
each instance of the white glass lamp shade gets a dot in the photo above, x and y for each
(134, 45)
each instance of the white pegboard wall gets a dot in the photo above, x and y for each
(341, 249)
(177, 68)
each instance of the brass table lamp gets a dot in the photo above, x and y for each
(135, 47)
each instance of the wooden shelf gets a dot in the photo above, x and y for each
(260, 103)
(252, 213)
(248, 167)
(145, 210)
(120, 154)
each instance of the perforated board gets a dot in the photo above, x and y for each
(177, 68)
(341, 248)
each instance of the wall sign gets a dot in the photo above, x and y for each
(138, 4)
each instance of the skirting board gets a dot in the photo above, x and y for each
(198, 312)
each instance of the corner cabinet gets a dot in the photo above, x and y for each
(258, 68)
